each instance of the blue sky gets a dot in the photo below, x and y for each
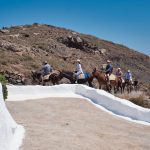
(125, 22)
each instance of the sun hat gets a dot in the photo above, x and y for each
(45, 62)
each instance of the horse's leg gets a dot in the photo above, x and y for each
(53, 82)
(57, 82)
(115, 89)
(44, 83)
(89, 80)
(109, 88)
(90, 84)
(137, 88)
(121, 88)
(130, 88)
(100, 87)
(118, 87)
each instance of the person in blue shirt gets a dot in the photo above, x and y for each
(108, 70)
(46, 69)
(109, 67)
(128, 76)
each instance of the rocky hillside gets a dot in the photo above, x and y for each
(24, 48)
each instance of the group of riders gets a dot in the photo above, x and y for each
(119, 73)
(48, 69)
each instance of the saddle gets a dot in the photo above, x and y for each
(81, 76)
(112, 77)
(46, 77)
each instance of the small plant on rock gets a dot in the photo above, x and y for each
(4, 87)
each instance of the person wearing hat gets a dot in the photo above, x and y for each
(109, 67)
(128, 76)
(46, 69)
(78, 69)
(119, 73)
(108, 70)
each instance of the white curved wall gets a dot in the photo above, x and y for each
(111, 103)
(11, 134)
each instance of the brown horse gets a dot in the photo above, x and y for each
(102, 80)
(37, 77)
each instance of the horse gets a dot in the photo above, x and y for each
(102, 80)
(136, 85)
(120, 84)
(38, 77)
(128, 84)
(70, 76)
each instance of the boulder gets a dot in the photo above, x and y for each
(4, 31)
(12, 46)
(14, 77)
(75, 41)
(103, 51)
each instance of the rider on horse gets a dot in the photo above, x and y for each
(109, 70)
(119, 74)
(128, 76)
(46, 69)
(78, 70)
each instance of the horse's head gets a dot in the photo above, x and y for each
(67, 74)
(94, 72)
(98, 73)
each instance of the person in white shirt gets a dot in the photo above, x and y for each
(78, 70)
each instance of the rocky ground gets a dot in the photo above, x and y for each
(24, 48)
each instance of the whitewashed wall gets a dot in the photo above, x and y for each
(111, 103)
(11, 134)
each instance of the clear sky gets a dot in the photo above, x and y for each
(125, 22)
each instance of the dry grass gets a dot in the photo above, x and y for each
(138, 98)
(148, 91)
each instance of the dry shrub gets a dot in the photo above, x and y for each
(148, 91)
(137, 98)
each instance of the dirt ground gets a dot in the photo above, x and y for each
(75, 124)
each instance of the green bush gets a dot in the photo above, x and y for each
(4, 88)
